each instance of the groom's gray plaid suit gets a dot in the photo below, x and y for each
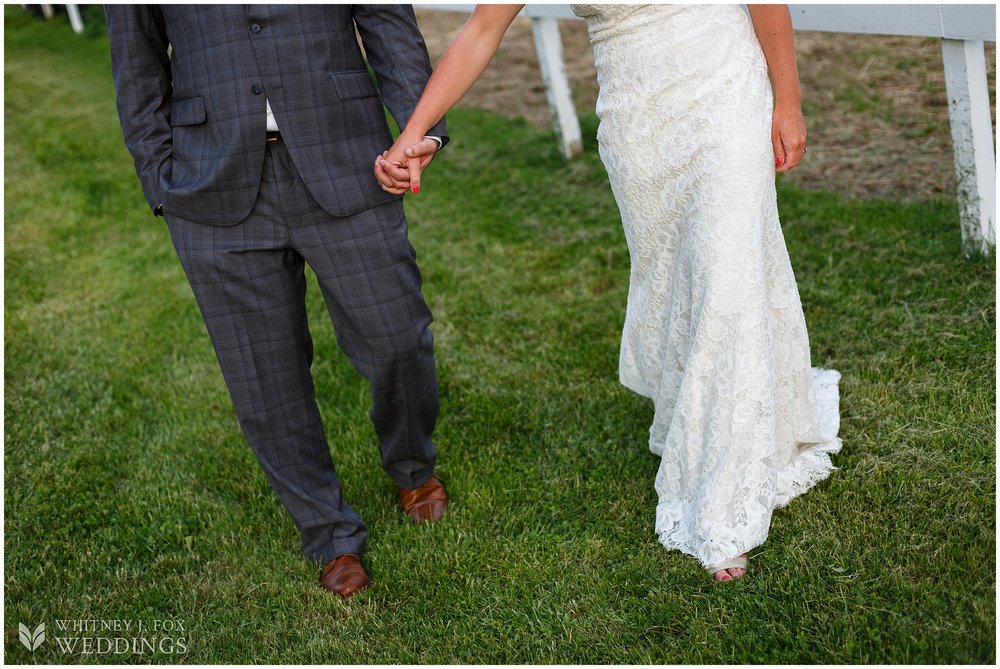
(245, 215)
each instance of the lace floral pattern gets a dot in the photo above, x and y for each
(714, 331)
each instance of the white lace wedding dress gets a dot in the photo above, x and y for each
(714, 332)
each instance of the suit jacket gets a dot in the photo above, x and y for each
(194, 117)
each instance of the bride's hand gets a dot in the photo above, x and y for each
(398, 169)
(788, 135)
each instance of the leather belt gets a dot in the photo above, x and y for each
(273, 136)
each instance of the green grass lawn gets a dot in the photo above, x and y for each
(130, 493)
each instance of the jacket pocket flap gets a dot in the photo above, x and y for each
(189, 111)
(351, 85)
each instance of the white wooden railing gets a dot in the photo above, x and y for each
(963, 29)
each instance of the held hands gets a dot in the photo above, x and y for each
(788, 135)
(398, 170)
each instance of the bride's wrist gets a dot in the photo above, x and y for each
(407, 138)
(790, 105)
(788, 98)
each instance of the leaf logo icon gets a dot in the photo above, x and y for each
(31, 640)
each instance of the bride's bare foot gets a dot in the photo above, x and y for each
(730, 570)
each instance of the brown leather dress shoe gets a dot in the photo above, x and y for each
(426, 503)
(344, 575)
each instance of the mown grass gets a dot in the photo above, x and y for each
(130, 493)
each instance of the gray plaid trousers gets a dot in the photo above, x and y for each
(249, 282)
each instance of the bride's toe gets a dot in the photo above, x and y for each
(730, 570)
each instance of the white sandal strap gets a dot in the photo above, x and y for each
(732, 563)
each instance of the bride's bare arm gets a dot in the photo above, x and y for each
(773, 26)
(462, 63)
(465, 59)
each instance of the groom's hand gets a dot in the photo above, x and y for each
(392, 177)
(398, 173)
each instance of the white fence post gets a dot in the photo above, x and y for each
(75, 20)
(548, 46)
(972, 136)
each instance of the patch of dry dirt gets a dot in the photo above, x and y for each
(875, 105)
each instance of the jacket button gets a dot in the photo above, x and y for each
(258, 89)
(255, 28)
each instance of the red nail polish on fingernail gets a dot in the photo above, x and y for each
(779, 162)
(416, 189)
